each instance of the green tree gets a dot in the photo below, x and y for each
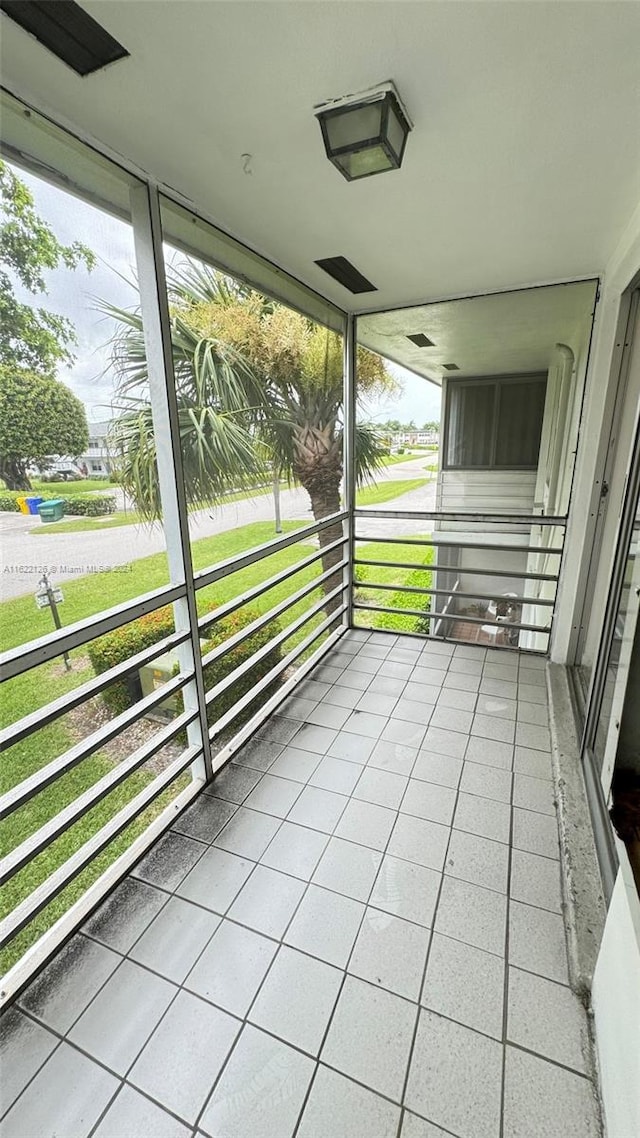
(33, 338)
(252, 378)
(39, 416)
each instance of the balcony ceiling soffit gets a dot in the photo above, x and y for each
(522, 167)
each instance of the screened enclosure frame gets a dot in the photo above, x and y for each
(47, 150)
(31, 141)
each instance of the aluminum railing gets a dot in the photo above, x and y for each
(267, 693)
(451, 613)
(229, 730)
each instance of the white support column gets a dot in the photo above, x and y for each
(349, 459)
(147, 228)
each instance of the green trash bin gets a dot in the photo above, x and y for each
(51, 511)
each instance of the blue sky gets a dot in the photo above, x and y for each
(72, 293)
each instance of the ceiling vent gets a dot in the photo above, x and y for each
(421, 341)
(68, 31)
(345, 274)
(451, 367)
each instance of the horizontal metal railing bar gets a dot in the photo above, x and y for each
(449, 544)
(35, 957)
(428, 615)
(273, 674)
(21, 659)
(245, 667)
(55, 883)
(25, 790)
(272, 704)
(266, 618)
(446, 592)
(81, 805)
(463, 516)
(258, 590)
(422, 636)
(458, 569)
(44, 715)
(208, 576)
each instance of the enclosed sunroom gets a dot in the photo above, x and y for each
(320, 806)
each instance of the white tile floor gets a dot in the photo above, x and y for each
(356, 932)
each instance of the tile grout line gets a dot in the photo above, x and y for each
(429, 946)
(123, 956)
(505, 989)
(211, 845)
(342, 986)
(276, 954)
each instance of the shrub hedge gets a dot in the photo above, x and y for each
(87, 505)
(117, 646)
(93, 506)
(215, 672)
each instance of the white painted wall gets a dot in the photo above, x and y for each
(486, 491)
(616, 1005)
(621, 270)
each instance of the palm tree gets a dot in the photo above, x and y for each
(255, 381)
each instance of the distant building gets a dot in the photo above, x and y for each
(416, 438)
(97, 457)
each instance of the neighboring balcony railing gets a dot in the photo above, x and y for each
(472, 578)
(324, 599)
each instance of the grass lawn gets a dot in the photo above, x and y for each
(387, 491)
(60, 489)
(369, 496)
(392, 459)
(85, 597)
(68, 489)
(82, 525)
(420, 576)
(132, 517)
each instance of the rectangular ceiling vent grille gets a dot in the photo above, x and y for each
(421, 341)
(451, 367)
(68, 31)
(345, 274)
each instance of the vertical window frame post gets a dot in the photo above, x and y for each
(154, 305)
(349, 458)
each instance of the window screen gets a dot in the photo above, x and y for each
(495, 424)
(520, 413)
(471, 417)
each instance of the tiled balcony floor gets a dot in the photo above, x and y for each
(355, 933)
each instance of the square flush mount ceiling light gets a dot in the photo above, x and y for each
(365, 134)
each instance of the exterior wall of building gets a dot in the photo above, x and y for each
(616, 1005)
(97, 457)
(495, 492)
(616, 983)
(487, 491)
(594, 437)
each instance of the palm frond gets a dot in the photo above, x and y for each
(369, 452)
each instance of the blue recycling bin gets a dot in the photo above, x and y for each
(33, 504)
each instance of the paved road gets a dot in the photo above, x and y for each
(24, 555)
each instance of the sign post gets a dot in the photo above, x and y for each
(48, 597)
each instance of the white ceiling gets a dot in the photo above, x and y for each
(523, 165)
(505, 334)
